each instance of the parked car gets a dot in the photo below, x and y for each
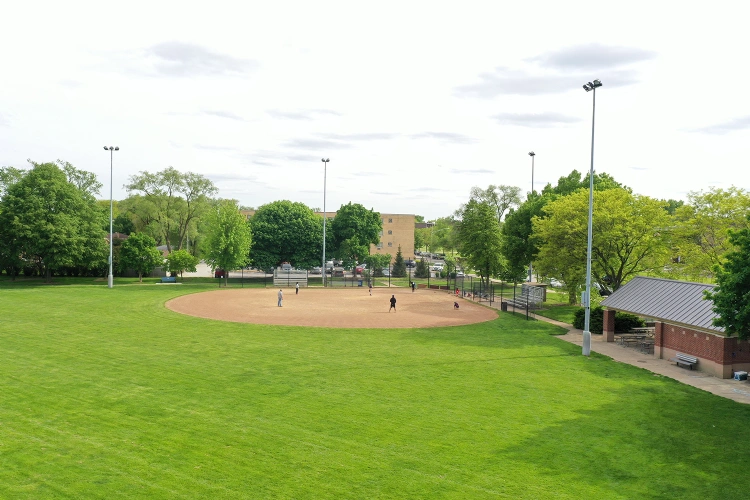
(410, 263)
(286, 266)
(316, 270)
(386, 271)
(555, 283)
(219, 273)
(359, 269)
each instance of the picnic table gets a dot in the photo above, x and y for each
(643, 329)
(629, 338)
(642, 340)
(646, 345)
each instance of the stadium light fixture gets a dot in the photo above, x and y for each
(591, 86)
(111, 149)
(325, 165)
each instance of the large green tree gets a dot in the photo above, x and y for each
(8, 177)
(169, 203)
(700, 235)
(480, 239)
(140, 254)
(227, 241)
(285, 231)
(576, 180)
(731, 297)
(421, 237)
(354, 229)
(445, 234)
(50, 223)
(627, 238)
(180, 261)
(500, 198)
(517, 245)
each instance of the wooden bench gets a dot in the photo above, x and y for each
(684, 359)
(169, 279)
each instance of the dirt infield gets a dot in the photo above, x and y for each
(347, 308)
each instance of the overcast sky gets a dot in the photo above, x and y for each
(413, 102)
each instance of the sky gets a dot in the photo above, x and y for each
(413, 102)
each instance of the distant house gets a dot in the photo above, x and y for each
(683, 322)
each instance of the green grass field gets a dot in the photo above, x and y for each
(107, 394)
(564, 313)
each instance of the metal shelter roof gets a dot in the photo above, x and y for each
(669, 301)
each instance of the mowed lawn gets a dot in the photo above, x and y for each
(106, 394)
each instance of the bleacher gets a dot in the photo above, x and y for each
(531, 297)
(289, 278)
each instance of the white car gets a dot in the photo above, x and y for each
(555, 283)
(386, 271)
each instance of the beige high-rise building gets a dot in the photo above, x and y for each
(398, 229)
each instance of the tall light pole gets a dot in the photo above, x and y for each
(532, 154)
(325, 166)
(590, 86)
(111, 149)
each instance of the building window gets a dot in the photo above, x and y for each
(390, 232)
(380, 245)
(381, 232)
(390, 243)
(390, 221)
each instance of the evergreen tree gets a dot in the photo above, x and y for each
(399, 266)
(422, 269)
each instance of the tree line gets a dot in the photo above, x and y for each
(52, 224)
(500, 236)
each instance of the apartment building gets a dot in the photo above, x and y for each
(398, 229)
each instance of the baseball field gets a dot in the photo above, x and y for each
(186, 391)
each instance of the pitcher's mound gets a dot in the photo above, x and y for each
(347, 308)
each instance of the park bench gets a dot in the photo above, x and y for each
(684, 359)
(169, 279)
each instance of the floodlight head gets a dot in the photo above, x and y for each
(597, 83)
(586, 88)
(106, 148)
(532, 153)
(325, 160)
(117, 148)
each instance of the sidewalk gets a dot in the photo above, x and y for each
(727, 388)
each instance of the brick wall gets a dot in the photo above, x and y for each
(709, 346)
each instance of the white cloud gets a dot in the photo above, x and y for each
(451, 96)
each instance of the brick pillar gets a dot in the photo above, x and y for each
(609, 325)
(658, 339)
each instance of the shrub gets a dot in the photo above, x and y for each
(624, 322)
(596, 321)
